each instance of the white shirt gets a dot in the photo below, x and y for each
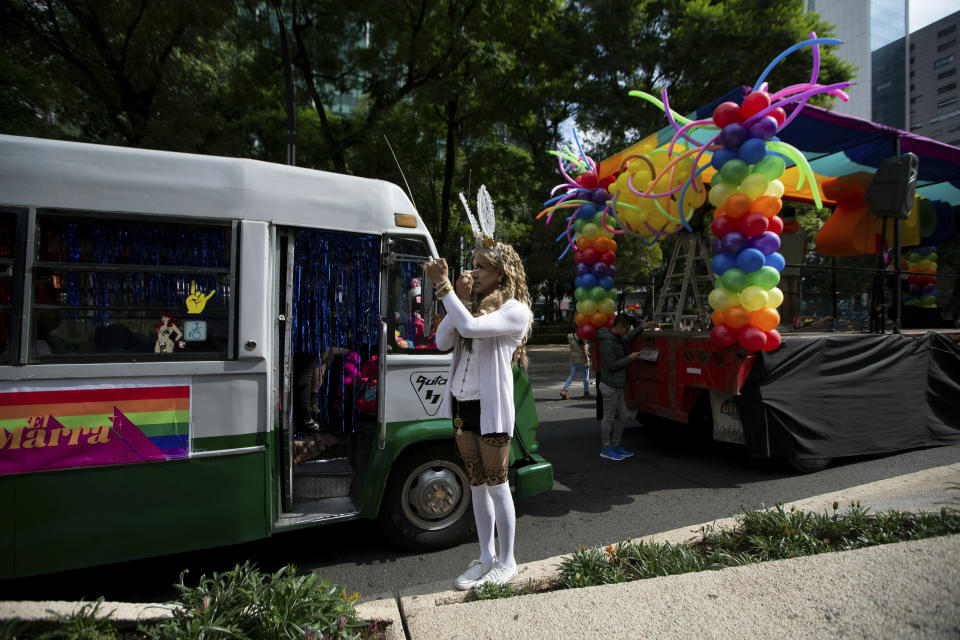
(465, 383)
(496, 336)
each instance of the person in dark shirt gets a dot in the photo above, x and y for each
(612, 346)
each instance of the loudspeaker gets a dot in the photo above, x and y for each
(890, 194)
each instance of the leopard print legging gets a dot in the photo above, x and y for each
(485, 457)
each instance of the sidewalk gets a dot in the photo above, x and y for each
(549, 358)
(905, 590)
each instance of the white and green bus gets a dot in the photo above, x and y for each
(154, 309)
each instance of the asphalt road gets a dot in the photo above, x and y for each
(675, 480)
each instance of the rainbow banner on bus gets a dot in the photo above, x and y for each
(46, 426)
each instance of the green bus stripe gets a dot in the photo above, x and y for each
(229, 442)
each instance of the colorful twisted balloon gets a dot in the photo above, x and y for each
(589, 233)
(654, 193)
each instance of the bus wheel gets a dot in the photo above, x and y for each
(808, 465)
(426, 504)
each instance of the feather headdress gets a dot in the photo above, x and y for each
(484, 227)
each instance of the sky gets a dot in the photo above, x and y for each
(924, 12)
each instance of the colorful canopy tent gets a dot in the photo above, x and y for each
(835, 145)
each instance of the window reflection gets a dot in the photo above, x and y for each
(413, 309)
(116, 286)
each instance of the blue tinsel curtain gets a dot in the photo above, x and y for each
(335, 303)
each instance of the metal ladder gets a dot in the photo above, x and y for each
(695, 277)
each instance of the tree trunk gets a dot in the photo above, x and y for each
(450, 161)
(306, 68)
(289, 89)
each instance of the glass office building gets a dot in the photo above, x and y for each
(934, 110)
(874, 40)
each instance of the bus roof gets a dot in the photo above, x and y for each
(93, 177)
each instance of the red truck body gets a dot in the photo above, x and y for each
(676, 367)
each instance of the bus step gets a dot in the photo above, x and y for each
(313, 511)
(322, 479)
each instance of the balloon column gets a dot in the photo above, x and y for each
(595, 269)
(654, 193)
(747, 193)
(922, 281)
(593, 243)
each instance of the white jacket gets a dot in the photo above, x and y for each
(496, 336)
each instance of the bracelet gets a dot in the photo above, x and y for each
(440, 285)
(444, 290)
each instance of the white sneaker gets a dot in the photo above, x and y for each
(472, 575)
(498, 574)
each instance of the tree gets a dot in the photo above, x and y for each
(442, 66)
(117, 72)
(698, 50)
(468, 92)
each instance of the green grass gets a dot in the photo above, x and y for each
(758, 536)
(245, 603)
(493, 591)
(241, 603)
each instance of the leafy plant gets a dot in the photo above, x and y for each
(493, 591)
(590, 567)
(774, 534)
(758, 536)
(245, 603)
(15, 629)
(651, 560)
(86, 623)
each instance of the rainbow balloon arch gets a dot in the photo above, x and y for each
(654, 193)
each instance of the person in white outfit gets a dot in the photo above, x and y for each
(487, 323)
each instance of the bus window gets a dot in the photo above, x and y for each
(8, 253)
(412, 315)
(117, 289)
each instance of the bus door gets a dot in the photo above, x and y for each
(426, 499)
(329, 344)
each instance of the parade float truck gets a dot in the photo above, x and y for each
(199, 351)
(808, 398)
(826, 391)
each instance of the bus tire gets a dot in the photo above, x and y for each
(808, 465)
(426, 504)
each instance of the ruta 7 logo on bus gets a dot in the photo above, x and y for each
(429, 387)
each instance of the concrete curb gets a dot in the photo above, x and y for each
(866, 593)
(124, 613)
(919, 491)
(384, 610)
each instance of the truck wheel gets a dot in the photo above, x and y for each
(808, 465)
(427, 501)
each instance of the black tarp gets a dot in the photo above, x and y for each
(852, 394)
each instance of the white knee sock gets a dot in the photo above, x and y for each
(483, 513)
(506, 521)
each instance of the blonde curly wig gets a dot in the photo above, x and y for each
(513, 284)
